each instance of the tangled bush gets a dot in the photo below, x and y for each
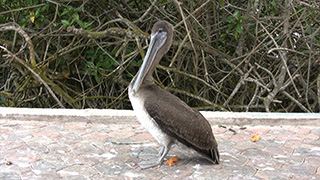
(226, 55)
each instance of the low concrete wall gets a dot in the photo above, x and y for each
(127, 116)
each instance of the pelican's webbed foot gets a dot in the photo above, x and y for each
(149, 164)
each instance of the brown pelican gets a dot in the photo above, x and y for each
(164, 115)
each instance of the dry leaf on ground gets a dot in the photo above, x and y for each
(256, 138)
(172, 161)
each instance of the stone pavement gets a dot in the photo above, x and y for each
(87, 150)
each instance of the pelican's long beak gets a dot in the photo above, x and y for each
(157, 41)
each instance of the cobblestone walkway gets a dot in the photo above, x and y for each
(78, 150)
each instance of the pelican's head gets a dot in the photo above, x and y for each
(160, 42)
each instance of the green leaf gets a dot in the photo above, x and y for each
(70, 8)
(45, 7)
(309, 31)
(37, 12)
(229, 28)
(29, 16)
(65, 11)
(243, 17)
(222, 36)
(89, 52)
(65, 22)
(229, 19)
(239, 27)
(237, 14)
(81, 24)
(37, 23)
(235, 35)
(90, 65)
(75, 16)
(222, 3)
(79, 9)
(72, 21)
(86, 25)
(96, 77)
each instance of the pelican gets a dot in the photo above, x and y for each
(167, 118)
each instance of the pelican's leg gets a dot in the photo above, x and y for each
(161, 151)
(148, 164)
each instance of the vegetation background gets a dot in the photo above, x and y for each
(229, 55)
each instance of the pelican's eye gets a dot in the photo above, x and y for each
(160, 30)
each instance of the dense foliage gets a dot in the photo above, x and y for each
(255, 55)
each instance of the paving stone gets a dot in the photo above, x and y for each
(256, 154)
(312, 142)
(34, 175)
(77, 126)
(74, 178)
(57, 156)
(45, 166)
(120, 141)
(53, 127)
(37, 147)
(290, 137)
(12, 146)
(142, 137)
(268, 137)
(14, 166)
(232, 159)
(313, 161)
(300, 130)
(240, 138)
(296, 144)
(283, 130)
(265, 164)
(271, 174)
(312, 137)
(315, 131)
(277, 151)
(42, 140)
(95, 135)
(248, 145)
(289, 159)
(121, 134)
(242, 172)
(86, 148)
(9, 176)
(104, 128)
(80, 150)
(23, 157)
(258, 130)
(144, 152)
(111, 169)
(224, 145)
(78, 170)
(69, 138)
(219, 130)
(203, 174)
(48, 133)
(299, 170)
(312, 177)
(18, 138)
(270, 143)
(314, 151)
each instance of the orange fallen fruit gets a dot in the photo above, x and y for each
(172, 161)
(256, 138)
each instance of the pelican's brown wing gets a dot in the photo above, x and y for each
(182, 122)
